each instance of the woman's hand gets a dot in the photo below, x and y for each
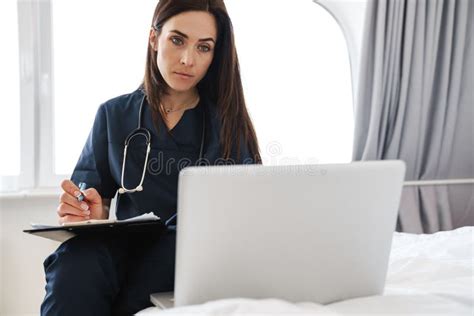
(71, 210)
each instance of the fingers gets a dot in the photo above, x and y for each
(68, 203)
(66, 198)
(65, 209)
(69, 187)
(92, 196)
(71, 209)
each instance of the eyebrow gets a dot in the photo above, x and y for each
(200, 40)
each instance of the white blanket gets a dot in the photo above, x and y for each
(427, 275)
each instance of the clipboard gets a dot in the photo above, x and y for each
(65, 232)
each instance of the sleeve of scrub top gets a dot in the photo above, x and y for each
(93, 165)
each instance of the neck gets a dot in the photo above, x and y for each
(177, 100)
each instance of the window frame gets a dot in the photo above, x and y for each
(352, 26)
(27, 52)
(36, 95)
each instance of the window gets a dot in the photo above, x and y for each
(62, 58)
(97, 56)
(10, 89)
(297, 80)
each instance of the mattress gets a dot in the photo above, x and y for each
(427, 275)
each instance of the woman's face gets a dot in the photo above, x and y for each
(185, 48)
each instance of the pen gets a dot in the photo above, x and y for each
(171, 219)
(82, 187)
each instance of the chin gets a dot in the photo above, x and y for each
(181, 87)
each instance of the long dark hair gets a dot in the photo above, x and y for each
(221, 84)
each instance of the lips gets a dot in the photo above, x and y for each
(183, 74)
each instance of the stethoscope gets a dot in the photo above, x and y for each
(141, 131)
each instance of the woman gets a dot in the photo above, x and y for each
(192, 104)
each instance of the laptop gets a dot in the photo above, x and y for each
(305, 233)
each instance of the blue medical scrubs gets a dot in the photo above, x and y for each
(115, 274)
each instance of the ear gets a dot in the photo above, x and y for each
(153, 39)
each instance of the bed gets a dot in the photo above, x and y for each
(427, 275)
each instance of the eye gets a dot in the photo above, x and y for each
(176, 40)
(205, 48)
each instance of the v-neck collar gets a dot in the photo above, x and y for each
(184, 136)
(186, 113)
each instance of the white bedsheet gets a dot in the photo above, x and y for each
(427, 275)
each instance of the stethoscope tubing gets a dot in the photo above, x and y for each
(142, 131)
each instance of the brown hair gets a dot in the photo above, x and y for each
(221, 84)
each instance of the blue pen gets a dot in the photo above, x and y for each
(170, 220)
(82, 187)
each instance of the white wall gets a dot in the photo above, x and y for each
(22, 255)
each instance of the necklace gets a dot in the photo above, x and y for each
(170, 110)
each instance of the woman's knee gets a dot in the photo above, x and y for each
(82, 260)
(83, 276)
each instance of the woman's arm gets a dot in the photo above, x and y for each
(93, 165)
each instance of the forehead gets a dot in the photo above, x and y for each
(195, 24)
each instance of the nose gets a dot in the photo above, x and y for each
(187, 58)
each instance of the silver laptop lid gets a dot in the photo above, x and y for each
(318, 233)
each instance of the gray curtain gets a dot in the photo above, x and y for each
(415, 103)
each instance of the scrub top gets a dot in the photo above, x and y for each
(100, 163)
